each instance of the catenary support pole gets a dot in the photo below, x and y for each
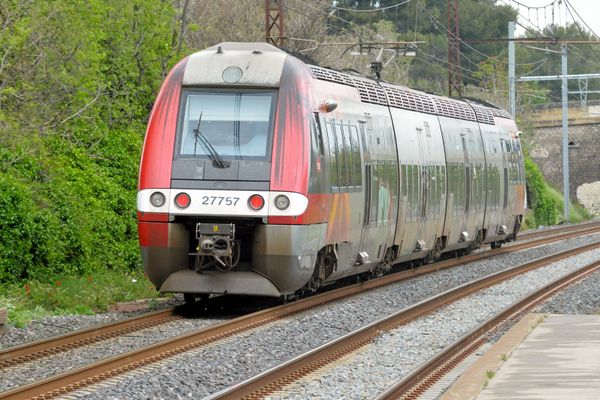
(565, 129)
(511, 70)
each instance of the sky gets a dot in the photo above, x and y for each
(588, 10)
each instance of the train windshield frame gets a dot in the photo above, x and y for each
(237, 124)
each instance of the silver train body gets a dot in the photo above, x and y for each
(355, 175)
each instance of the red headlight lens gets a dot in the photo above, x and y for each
(256, 202)
(182, 200)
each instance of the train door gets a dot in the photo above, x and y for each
(504, 180)
(424, 186)
(468, 183)
(363, 254)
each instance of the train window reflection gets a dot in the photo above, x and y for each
(237, 124)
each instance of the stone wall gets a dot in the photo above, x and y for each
(544, 140)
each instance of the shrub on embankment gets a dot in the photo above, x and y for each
(77, 82)
(545, 203)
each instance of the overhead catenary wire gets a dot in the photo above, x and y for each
(570, 7)
(330, 11)
(401, 3)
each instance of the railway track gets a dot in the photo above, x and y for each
(285, 374)
(29, 352)
(116, 365)
(427, 374)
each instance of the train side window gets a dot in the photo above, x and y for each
(333, 161)
(429, 185)
(355, 150)
(409, 191)
(341, 156)
(415, 191)
(434, 190)
(443, 185)
(403, 181)
(374, 193)
(317, 135)
(349, 158)
(393, 179)
(384, 193)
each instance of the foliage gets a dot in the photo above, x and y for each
(546, 204)
(425, 21)
(70, 294)
(77, 81)
(539, 199)
(577, 213)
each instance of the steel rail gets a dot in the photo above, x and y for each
(526, 235)
(120, 364)
(280, 376)
(422, 378)
(45, 347)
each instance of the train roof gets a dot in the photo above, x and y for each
(263, 64)
(397, 96)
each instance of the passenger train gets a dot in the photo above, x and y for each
(262, 175)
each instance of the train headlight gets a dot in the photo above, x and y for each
(157, 199)
(282, 202)
(256, 202)
(232, 74)
(183, 200)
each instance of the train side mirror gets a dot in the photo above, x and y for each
(328, 105)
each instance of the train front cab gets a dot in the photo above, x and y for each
(223, 204)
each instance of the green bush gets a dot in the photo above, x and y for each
(16, 229)
(539, 199)
(78, 81)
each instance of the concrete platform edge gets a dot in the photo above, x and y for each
(469, 384)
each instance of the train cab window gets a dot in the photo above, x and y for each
(235, 125)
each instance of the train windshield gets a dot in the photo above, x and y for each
(232, 125)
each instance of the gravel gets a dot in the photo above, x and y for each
(212, 368)
(580, 298)
(395, 353)
(58, 325)
(31, 371)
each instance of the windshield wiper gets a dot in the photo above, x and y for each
(208, 148)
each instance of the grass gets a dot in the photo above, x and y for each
(72, 295)
(577, 212)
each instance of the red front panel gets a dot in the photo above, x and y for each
(157, 155)
(153, 234)
(291, 141)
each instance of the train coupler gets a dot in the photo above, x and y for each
(216, 247)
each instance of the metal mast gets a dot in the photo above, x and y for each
(454, 74)
(274, 19)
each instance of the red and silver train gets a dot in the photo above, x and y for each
(262, 175)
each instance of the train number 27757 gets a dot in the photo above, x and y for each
(219, 200)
